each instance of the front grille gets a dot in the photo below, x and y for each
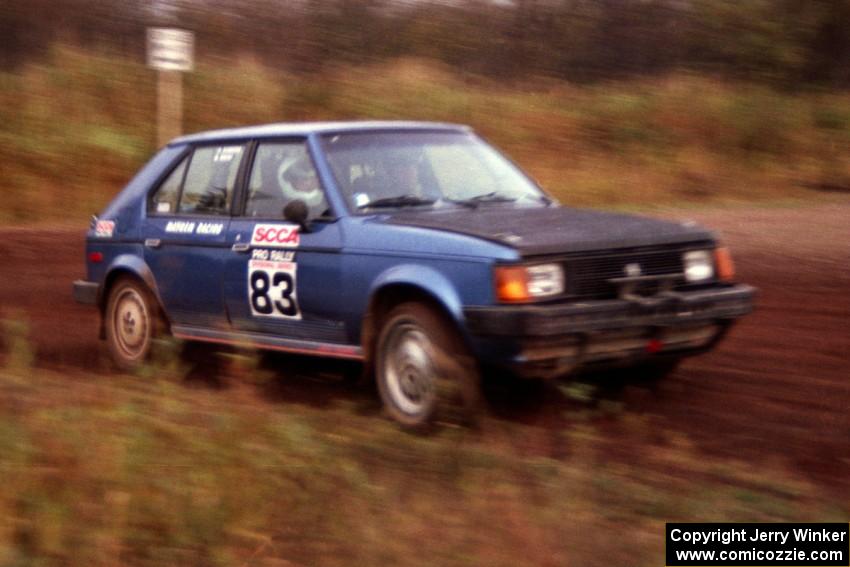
(588, 276)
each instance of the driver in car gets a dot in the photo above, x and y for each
(299, 181)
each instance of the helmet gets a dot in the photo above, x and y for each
(298, 170)
(294, 176)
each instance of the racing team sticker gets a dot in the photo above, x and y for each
(275, 235)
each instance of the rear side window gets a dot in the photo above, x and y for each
(165, 199)
(202, 184)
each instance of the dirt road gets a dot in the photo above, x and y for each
(777, 389)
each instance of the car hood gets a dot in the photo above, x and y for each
(552, 230)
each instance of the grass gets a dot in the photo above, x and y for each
(144, 470)
(75, 128)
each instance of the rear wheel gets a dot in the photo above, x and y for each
(423, 368)
(131, 323)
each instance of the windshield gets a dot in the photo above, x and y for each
(390, 170)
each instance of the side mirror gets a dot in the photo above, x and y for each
(296, 211)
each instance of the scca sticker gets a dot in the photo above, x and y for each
(275, 235)
(104, 228)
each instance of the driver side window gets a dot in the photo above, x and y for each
(281, 174)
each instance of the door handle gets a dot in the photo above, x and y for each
(153, 242)
(241, 247)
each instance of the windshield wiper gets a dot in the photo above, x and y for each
(398, 201)
(491, 197)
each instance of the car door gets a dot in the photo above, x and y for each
(279, 278)
(185, 234)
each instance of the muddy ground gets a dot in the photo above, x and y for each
(776, 390)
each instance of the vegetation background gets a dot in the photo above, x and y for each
(625, 103)
(605, 102)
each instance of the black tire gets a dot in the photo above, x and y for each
(508, 394)
(423, 368)
(131, 322)
(613, 383)
(651, 373)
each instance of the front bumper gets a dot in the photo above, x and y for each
(86, 292)
(551, 340)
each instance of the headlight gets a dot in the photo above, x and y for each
(698, 265)
(526, 283)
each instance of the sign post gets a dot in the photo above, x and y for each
(170, 52)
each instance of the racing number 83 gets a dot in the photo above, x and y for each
(272, 293)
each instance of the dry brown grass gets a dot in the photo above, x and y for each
(144, 470)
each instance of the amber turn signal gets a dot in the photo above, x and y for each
(512, 284)
(725, 266)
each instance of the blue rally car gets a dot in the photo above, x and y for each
(414, 247)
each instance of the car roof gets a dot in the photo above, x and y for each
(305, 128)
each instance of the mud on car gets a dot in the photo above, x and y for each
(416, 248)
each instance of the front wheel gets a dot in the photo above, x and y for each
(131, 323)
(423, 367)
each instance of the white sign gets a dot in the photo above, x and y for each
(171, 49)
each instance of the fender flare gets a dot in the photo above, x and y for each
(134, 265)
(427, 280)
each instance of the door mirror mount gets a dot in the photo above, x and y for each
(297, 212)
